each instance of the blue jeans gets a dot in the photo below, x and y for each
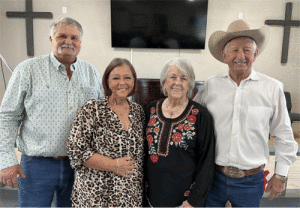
(243, 192)
(44, 177)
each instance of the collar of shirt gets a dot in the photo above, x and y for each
(252, 76)
(60, 66)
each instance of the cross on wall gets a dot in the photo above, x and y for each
(287, 24)
(29, 15)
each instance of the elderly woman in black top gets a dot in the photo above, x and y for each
(181, 143)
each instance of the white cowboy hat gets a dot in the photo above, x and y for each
(238, 28)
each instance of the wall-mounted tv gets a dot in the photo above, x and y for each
(174, 24)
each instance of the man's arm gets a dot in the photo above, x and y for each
(280, 127)
(285, 145)
(11, 115)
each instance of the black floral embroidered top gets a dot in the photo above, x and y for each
(180, 159)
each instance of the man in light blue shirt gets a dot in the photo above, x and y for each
(42, 99)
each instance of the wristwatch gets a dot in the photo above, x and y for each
(280, 177)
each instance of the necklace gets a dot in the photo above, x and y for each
(173, 111)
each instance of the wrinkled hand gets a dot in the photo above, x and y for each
(9, 176)
(185, 204)
(126, 166)
(276, 186)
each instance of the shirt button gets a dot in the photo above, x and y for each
(69, 91)
(65, 78)
(70, 108)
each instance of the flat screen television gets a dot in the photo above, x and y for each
(174, 24)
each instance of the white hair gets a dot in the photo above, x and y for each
(65, 20)
(185, 68)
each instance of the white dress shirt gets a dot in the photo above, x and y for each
(244, 116)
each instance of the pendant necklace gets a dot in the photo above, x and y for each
(173, 111)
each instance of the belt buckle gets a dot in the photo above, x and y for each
(233, 172)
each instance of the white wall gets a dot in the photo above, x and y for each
(94, 15)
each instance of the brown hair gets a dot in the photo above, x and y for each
(113, 64)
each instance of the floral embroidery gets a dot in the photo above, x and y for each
(177, 137)
(156, 130)
(152, 121)
(180, 127)
(192, 118)
(149, 139)
(187, 193)
(152, 110)
(187, 127)
(195, 111)
(179, 133)
(154, 158)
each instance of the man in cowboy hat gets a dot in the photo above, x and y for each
(247, 107)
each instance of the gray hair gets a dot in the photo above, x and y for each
(185, 68)
(65, 20)
(253, 43)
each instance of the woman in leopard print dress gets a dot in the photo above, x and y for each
(105, 145)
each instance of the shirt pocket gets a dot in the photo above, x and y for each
(258, 117)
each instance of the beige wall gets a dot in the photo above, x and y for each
(94, 15)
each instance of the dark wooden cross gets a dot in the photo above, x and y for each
(29, 15)
(287, 23)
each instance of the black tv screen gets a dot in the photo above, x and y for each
(175, 24)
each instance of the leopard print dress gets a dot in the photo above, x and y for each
(97, 129)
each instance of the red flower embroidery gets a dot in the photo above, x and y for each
(187, 127)
(149, 139)
(187, 193)
(148, 131)
(177, 137)
(154, 158)
(195, 111)
(180, 127)
(152, 121)
(152, 110)
(192, 118)
(156, 130)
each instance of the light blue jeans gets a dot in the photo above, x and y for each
(243, 192)
(44, 177)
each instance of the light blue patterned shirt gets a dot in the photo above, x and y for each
(43, 102)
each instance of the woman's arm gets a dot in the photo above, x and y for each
(206, 157)
(121, 166)
(79, 147)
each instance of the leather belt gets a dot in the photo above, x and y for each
(234, 172)
(60, 157)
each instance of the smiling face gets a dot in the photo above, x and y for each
(240, 55)
(121, 81)
(176, 84)
(66, 43)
